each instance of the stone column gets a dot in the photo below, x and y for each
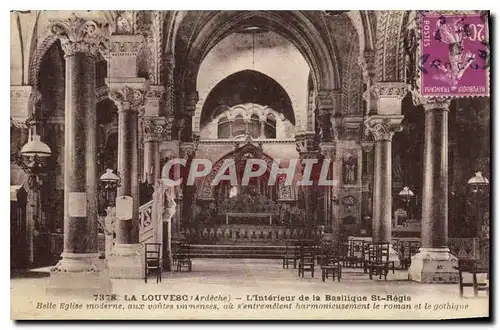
(230, 121)
(434, 263)
(262, 128)
(80, 41)
(382, 126)
(328, 150)
(128, 92)
(153, 132)
(190, 104)
(127, 259)
(308, 148)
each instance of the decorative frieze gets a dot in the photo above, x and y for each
(388, 97)
(393, 90)
(156, 47)
(78, 35)
(382, 127)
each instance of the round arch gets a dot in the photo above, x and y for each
(266, 91)
(294, 26)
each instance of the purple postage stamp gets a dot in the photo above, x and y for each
(455, 55)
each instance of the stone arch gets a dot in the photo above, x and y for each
(294, 26)
(200, 115)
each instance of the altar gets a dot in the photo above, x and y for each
(243, 218)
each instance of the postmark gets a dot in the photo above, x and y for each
(454, 55)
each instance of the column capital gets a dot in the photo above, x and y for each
(434, 102)
(156, 92)
(328, 150)
(154, 129)
(22, 98)
(367, 146)
(78, 35)
(328, 101)
(383, 127)
(389, 90)
(307, 146)
(128, 98)
(188, 149)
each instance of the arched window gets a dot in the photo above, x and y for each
(270, 126)
(239, 126)
(223, 128)
(254, 126)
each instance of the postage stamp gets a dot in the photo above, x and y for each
(455, 55)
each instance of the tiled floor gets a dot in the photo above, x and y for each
(239, 280)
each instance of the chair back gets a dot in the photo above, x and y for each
(152, 252)
(381, 252)
(356, 247)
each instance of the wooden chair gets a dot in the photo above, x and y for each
(307, 261)
(355, 254)
(342, 252)
(290, 256)
(379, 260)
(153, 263)
(471, 267)
(183, 258)
(408, 250)
(334, 267)
(367, 253)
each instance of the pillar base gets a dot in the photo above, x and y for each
(80, 274)
(433, 265)
(126, 261)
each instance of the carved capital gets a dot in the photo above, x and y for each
(328, 150)
(154, 129)
(127, 98)
(383, 127)
(430, 103)
(188, 149)
(391, 90)
(22, 99)
(156, 92)
(78, 35)
(307, 146)
(367, 146)
(328, 101)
